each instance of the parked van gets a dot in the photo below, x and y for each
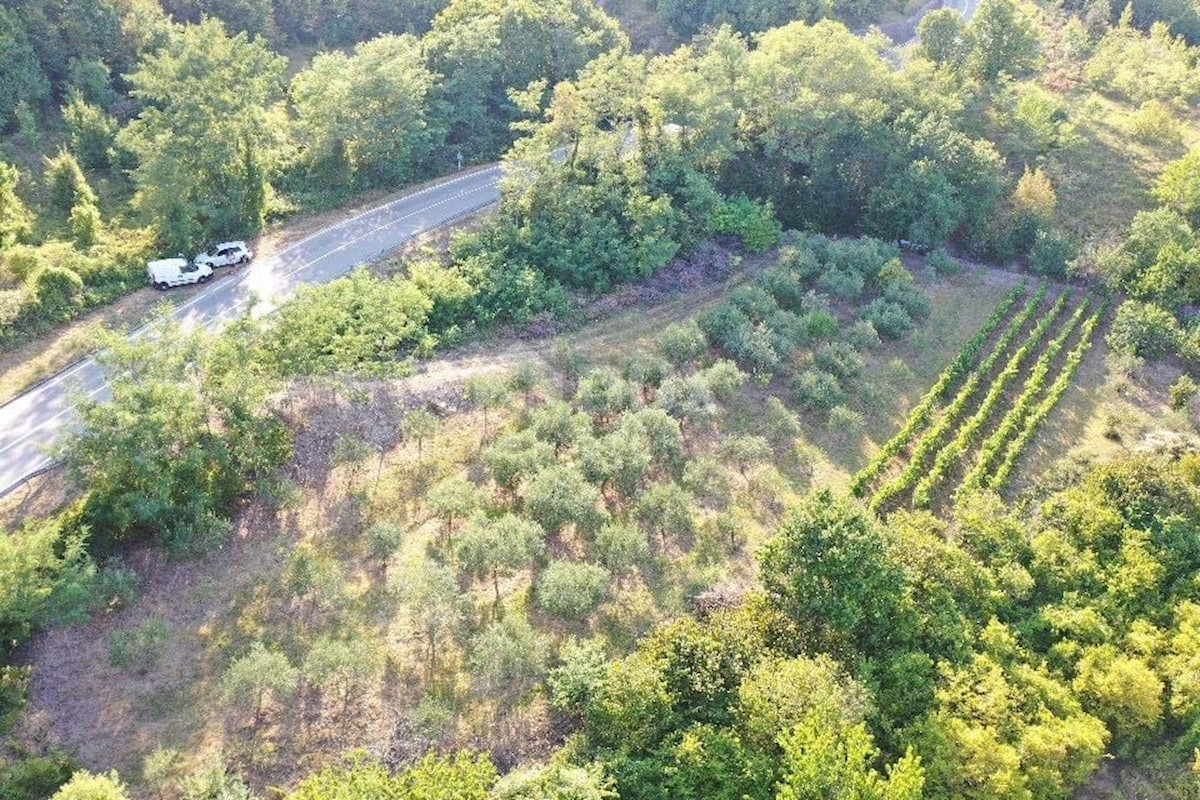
(168, 272)
(226, 254)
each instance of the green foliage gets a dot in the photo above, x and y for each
(150, 459)
(1183, 391)
(493, 548)
(1139, 68)
(24, 80)
(820, 760)
(59, 292)
(357, 324)
(622, 547)
(817, 389)
(191, 176)
(555, 782)
(35, 777)
(261, 674)
(752, 222)
(366, 117)
(1002, 39)
(142, 647)
(509, 657)
(485, 49)
(14, 218)
(85, 785)
(559, 495)
(345, 670)
(572, 590)
(575, 680)
(828, 571)
(463, 776)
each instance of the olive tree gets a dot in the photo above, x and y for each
(259, 675)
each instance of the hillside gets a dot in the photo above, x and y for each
(807, 416)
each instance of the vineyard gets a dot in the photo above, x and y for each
(972, 426)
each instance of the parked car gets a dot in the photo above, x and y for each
(168, 272)
(226, 254)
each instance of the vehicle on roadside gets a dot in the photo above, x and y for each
(226, 254)
(168, 272)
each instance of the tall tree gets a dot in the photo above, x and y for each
(368, 114)
(485, 48)
(209, 135)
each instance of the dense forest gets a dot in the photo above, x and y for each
(809, 522)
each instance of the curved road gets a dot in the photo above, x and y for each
(30, 423)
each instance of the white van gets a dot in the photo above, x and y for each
(226, 254)
(168, 272)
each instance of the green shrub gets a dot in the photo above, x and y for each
(845, 284)
(1050, 253)
(38, 777)
(142, 647)
(1144, 329)
(890, 318)
(752, 221)
(943, 264)
(1183, 391)
(839, 359)
(817, 389)
(59, 293)
(572, 590)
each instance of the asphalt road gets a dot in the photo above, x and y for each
(32, 422)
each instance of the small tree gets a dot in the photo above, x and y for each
(487, 393)
(743, 452)
(780, 419)
(572, 590)
(515, 456)
(452, 500)
(257, 676)
(430, 592)
(345, 669)
(350, 451)
(603, 394)
(494, 547)
(384, 538)
(666, 509)
(682, 343)
(570, 363)
(417, 426)
(580, 671)
(509, 656)
(524, 380)
(622, 546)
(689, 400)
(560, 425)
(559, 495)
(162, 770)
(725, 380)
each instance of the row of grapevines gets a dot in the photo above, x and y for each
(965, 437)
(1014, 420)
(1057, 390)
(922, 411)
(932, 439)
